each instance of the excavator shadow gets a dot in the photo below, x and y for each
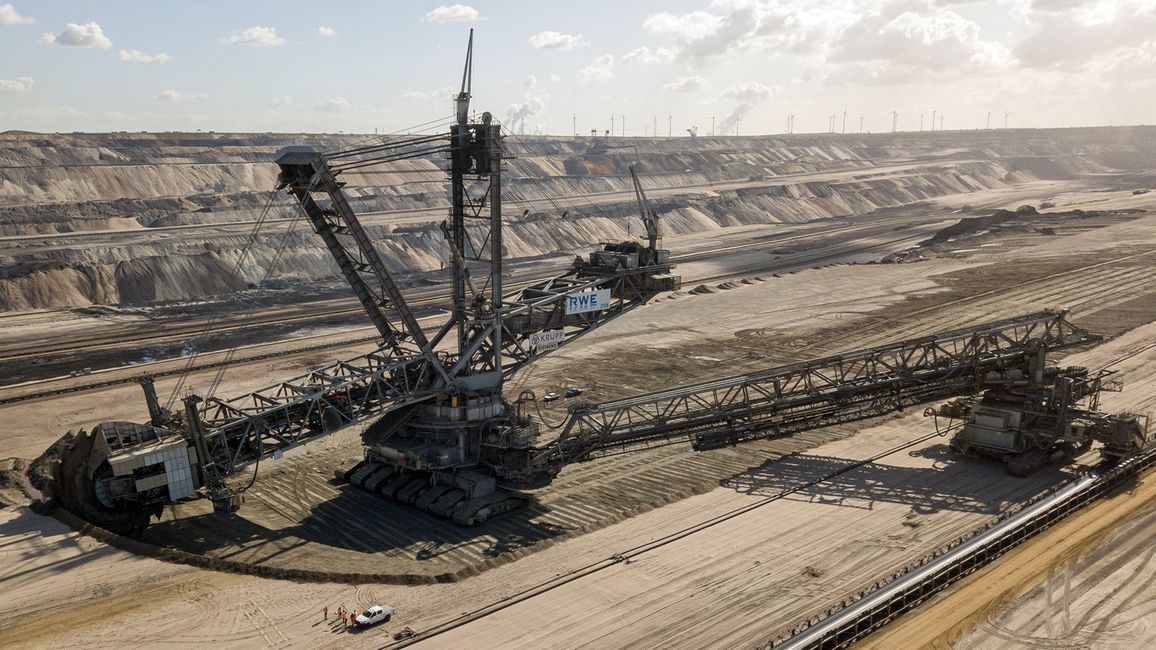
(949, 482)
(353, 520)
(363, 521)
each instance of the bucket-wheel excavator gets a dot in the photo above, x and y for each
(444, 437)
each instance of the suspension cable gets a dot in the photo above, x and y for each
(215, 317)
(262, 218)
(249, 315)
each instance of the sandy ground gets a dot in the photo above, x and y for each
(736, 583)
(1039, 596)
(1104, 599)
(886, 514)
(1088, 582)
(26, 435)
(683, 593)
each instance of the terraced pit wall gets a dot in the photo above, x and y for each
(135, 218)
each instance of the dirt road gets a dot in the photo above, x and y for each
(1100, 559)
(736, 583)
(971, 603)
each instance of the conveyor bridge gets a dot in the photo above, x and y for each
(830, 390)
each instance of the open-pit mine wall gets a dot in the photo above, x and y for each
(134, 218)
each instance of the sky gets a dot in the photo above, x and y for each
(737, 66)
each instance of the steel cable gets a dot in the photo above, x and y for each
(183, 380)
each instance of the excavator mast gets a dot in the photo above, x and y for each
(442, 435)
(454, 428)
(474, 235)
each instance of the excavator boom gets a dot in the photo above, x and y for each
(840, 388)
(308, 176)
(649, 218)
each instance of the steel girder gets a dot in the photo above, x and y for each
(284, 414)
(307, 175)
(541, 307)
(834, 389)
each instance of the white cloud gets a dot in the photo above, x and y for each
(935, 41)
(700, 34)
(281, 101)
(452, 14)
(88, 35)
(600, 69)
(911, 41)
(778, 26)
(445, 93)
(1070, 39)
(1056, 6)
(8, 16)
(554, 78)
(17, 85)
(326, 31)
(647, 55)
(136, 56)
(255, 37)
(335, 105)
(694, 25)
(751, 91)
(177, 96)
(686, 84)
(556, 41)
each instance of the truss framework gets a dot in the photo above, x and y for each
(541, 307)
(830, 390)
(284, 414)
(308, 176)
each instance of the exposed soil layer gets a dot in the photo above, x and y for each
(739, 583)
(134, 219)
(297, 517)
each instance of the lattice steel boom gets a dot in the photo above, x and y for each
(838, 388)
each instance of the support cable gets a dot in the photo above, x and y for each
(236, 273)
(531, 178)
(249, 315)
(246, 250)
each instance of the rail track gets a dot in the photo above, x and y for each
(906, 589)
(890, 597)
(633, 553)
